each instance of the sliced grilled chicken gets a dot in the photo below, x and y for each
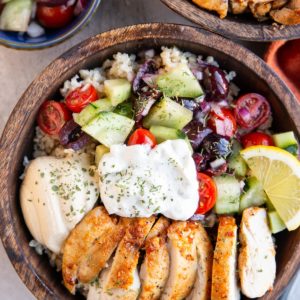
(238, 6)
(288, 15)
(96, 291)
(224, 281)
(260, 10)
(92, 227)
(220, 6)
(279, 3)
(202, 286)
(155, 268)
(120, 280)
(257, 266)
(99, 253)
(183, 268)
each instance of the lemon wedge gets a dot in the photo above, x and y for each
(279, 173)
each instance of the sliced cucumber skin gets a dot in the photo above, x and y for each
(117, 90)
(179, 82)
(109, 128)
(236, 162)
(285, 139)
(293, 149)
(100, 151)
(168, 113)
(125, 109)
(275, 222)
(15, 15)
(162, 133)
(91, 110)
(254, 196)
(228, 194)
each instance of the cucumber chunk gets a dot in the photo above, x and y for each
(254, 195)
(162, 134)
(117, 90)
(100, 151)
(179, 82)
(276, 224)
(16, 15)
(228, 194)
(91, 110)
(285, 139)
(109, 128)
(293, 149)
(125, 109)
(168, 113)
(236, 162)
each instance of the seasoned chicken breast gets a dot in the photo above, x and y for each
(92, 227)
(257, 266)
(288, 15)
(260, 10)
(220, 6)
(238, 6)
(98, 254)
(155, 267)
(224, 280)
(182, 243)
(202, 286)
(121, 280)
(96, 291)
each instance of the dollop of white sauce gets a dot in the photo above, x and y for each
(136, 181)
(55, 196)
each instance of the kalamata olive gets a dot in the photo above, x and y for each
(217, 171)
(196, 133)
(201, 161)
(71, 136)
(149, 67)
(216, 146)
(215, 84)
(190, 104)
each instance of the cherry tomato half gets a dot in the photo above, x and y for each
(252, 110)
(79, 98)
(222, 122)
(207, 193)
(52, 116)
(54, 16)
(142, 136)
(256, 138)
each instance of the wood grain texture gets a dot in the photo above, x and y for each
(233, 26)
(253, 75)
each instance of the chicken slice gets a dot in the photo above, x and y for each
(288, 15)
(99, 253)
(238, 6)
(183, 268)
(224, 280)
(96, 291)
(260, 10)
(257, 266)
(202, 286)
(155, 268)
(93, 226)
(279, 3)
(120, 279)
(220, 6)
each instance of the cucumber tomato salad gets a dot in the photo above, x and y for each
(164, 135)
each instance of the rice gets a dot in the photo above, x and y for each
(171, 57)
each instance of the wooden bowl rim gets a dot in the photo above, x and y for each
(10, 142)
(229, 27)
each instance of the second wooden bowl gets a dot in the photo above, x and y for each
(241, 27)
(17, 140)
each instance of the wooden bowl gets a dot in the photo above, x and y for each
(243, 27)
(17, 140)
(274, 58)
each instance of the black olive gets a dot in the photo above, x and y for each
(216, 146)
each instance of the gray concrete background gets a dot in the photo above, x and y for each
(19, 68)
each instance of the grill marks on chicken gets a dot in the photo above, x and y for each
(224, 279)
(90, 230)
(257, 266)
(156, 265)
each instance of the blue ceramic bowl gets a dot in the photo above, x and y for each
(51, 37)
